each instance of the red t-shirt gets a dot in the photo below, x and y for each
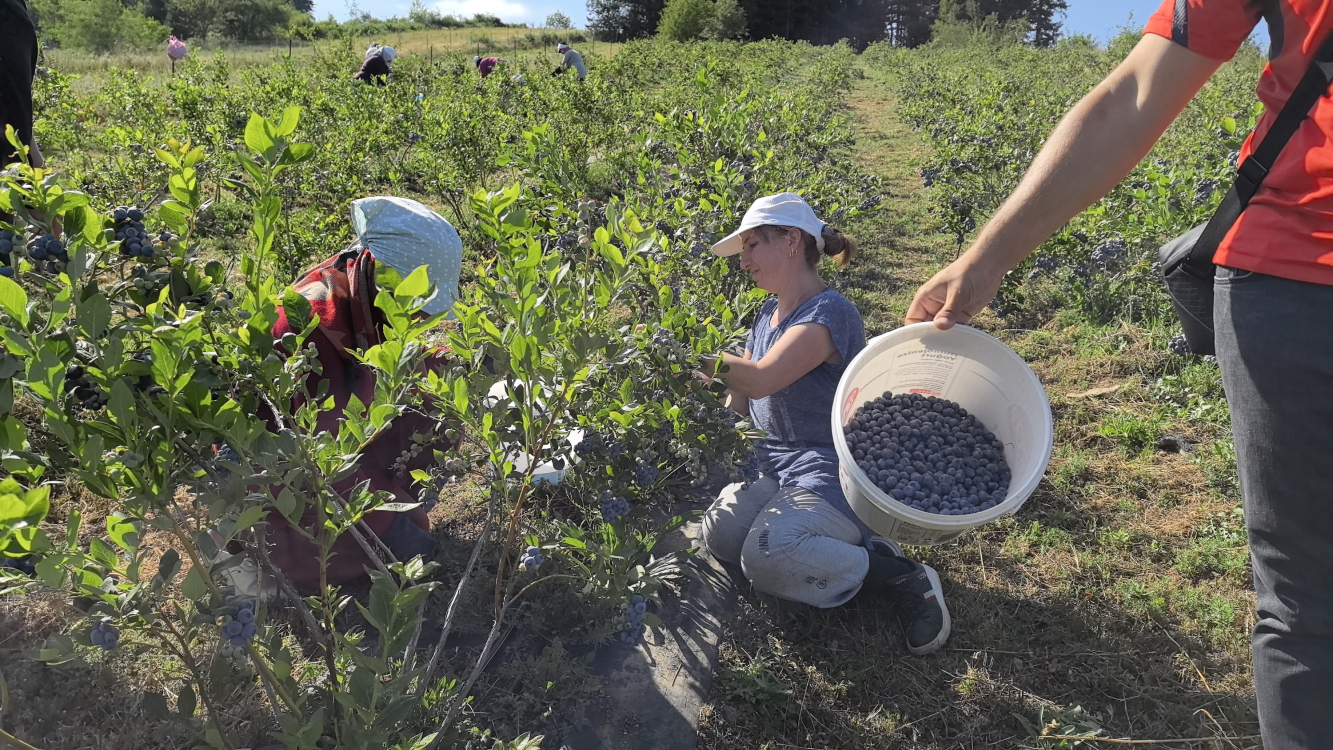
(487, 64)
(1287, 229)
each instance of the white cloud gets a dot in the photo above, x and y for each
(506, 9)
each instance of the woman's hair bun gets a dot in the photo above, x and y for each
(838, 245)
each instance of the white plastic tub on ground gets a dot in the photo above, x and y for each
(545, 471)
(962, 365)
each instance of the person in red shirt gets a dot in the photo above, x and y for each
(403, 235)
(1273, 311)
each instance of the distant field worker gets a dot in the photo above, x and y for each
(486, 65)
(571, 59)
(377, 66)
(176, 49)
(18, 65)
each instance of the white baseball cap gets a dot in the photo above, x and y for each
(561, 47)
(389, 54)
(782, 210)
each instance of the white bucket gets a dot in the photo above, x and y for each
(962, 365)
(545, 471)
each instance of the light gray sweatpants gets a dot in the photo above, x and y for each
(789, 542)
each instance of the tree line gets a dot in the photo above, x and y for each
(107, 25)
(907, 23)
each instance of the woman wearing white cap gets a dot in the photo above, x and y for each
(377, 65)
(403, 235)
(792, 531)
(570, 59)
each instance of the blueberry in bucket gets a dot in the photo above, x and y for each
(928, 453)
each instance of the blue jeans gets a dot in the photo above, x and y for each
(1275, 347)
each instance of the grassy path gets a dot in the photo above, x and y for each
(1121, 587)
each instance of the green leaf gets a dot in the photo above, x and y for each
(168, 566)
(94, 315)
(121, 404)
(416, 284)
(288, 121)
(14, 301)
(297, 309)
(194, 586)
(258, 134)
(103, 553)
(460, 394)
(298, 152)
(186, 701)
(249, 517)
(156, 706)
(51, 572)
(123, 532)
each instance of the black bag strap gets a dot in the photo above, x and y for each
(1314, 84)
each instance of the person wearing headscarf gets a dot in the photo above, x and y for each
(791, 530)
(403, 235)
(486, 65)
(377, 66)
(570, 59)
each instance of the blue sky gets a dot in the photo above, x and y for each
(1099, 18)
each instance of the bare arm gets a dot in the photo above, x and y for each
(1092, 149)
(801, 349)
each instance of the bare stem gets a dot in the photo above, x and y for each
(289, 591)
(9, 740)
(533, 460)
(193, 667)
(488, 652)
(458, 594)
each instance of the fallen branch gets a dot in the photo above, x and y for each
(1114, 741)
(458, 594)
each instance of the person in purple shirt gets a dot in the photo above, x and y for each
(792, 531)
(486, 65)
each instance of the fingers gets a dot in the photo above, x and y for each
(949, 313)
(924, 306)
(951, 297)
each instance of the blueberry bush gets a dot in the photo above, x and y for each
(986, 117)
(143, 274)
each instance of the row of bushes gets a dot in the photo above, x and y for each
(103, 26)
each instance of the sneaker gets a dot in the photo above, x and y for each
(884, 546)
(920, 608)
